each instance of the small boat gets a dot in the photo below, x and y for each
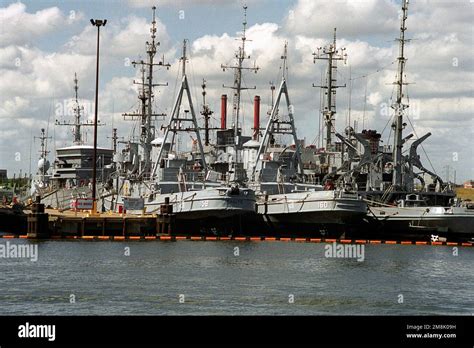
(412, 217)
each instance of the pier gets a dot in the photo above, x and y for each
(52, 223)
(45, 224)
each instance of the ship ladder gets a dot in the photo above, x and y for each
(387, 193)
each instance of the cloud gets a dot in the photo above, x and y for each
(125, 38)
(352, 18)
(40, 74)
(440, 66)
(13, 108)
(20, 27)
(186, 3)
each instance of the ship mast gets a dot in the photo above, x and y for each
(77, 113)
(114, 139)
(44, 145)
(398, 106)
(177, 122)
(206, 112)
(240, 56)
(78, 110)
(146, 96)
(277, 124)
(332, 55)
(44, 152)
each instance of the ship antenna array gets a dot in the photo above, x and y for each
(240, 56)
(146, 114)
(272, 90)
(284, 66)
(114, 139)
(206, 113)
(399, 107)
(184, 57)
(331, 54)
(44, 147)
(78, 111)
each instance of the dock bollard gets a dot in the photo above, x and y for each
(165, 219)
(38, 221)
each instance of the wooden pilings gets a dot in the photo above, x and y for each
(64, 225)
(166, 219)
(38, 221)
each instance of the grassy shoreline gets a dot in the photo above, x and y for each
(465, 193)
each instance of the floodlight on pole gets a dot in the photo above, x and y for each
(97, 23)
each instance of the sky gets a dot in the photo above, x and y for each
(43, 43)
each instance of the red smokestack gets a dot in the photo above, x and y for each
(224, 111)
(256, 117)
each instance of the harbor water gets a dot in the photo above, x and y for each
(234, 278)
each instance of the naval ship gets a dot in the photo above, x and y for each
(70, 176)
(288, 200)
(401, 201)
(430, 210)
(154, 171)
(287, 187)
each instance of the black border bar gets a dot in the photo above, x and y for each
(248, 330)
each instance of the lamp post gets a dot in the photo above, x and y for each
(97, 23)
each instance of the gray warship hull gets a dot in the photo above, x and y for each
(207, 203)
(325, 213)
(220, 209)
(62, 198)
(455, 223)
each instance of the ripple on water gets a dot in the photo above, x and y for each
(215, 281)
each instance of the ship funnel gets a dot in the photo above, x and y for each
(224, 111)
(256, 117)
